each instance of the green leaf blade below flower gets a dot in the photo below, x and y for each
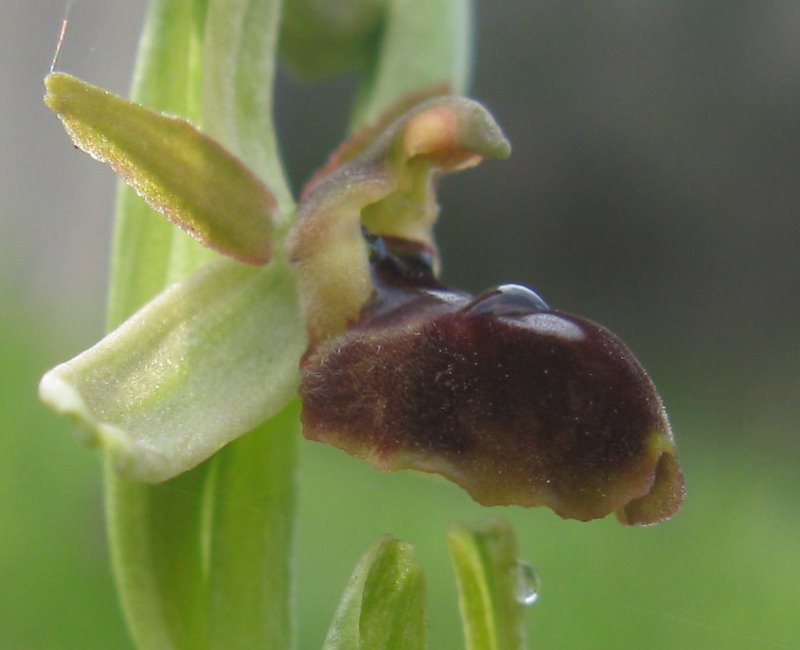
(207, 360)
(484, 557)
(185, 175)
(383, 606)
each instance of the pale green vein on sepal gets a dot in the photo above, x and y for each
(182, 173)
(383, 605)
(207, 360)
(484, 557)
(424, 43)
(238, 78)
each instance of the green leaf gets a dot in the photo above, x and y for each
(204, 362)
(238, 74)
(188, 177)
(155, 532)
(485, 560)
(383, 605)
(251, 535)
(424, 43)
(166, 79)
(160, 533)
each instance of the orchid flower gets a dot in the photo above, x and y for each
(514, 401)
(337, 299)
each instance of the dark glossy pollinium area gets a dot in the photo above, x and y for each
(516, 402)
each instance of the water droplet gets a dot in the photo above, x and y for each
(507, 300)
(528, 583)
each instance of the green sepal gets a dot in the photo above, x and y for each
(484, 557)
(207, 360)
(383, 606)
(188, 177)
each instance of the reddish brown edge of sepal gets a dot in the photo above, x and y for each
(363, 137)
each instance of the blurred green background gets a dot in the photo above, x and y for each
(654, 187)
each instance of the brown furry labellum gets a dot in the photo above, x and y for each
(517, 403)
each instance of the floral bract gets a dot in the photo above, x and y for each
(514, 401)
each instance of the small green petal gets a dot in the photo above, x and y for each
(187, 176)
(389, 188)
(366, 136)
(383, 606)
(207, 360)
(485, 560)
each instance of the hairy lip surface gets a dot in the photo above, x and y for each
(543, 408)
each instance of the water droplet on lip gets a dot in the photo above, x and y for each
(528, 583)
(507, 300)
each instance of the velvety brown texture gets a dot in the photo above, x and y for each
(517, 403)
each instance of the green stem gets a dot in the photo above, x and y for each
(251, 538)
(167, 78)
(191, 552)
(158, 563)
(241, 41)
(253, 498)
(154, 530)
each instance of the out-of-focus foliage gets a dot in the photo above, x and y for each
(53, 561)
